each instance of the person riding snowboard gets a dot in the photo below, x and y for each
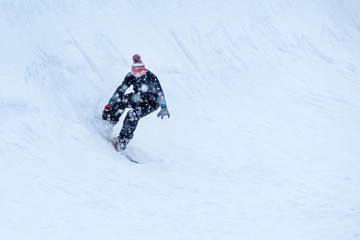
(147, 96)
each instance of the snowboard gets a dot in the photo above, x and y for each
(105, 130)
(125, 154)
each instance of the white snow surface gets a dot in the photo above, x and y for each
(263, 140)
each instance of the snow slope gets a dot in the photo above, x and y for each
(263, 140)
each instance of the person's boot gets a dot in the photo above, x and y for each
(119, 143)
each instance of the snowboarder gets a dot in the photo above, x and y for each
(146, 97)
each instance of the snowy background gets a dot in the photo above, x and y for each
(263, 140)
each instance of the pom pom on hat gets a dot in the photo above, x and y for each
(138, 67)
(137, 58)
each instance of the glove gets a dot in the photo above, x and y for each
(106, 112)
(163, 112)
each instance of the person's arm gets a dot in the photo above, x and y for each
(116, 97)
(119, 92)
(161, 100)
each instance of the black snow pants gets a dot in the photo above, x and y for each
(140, 107)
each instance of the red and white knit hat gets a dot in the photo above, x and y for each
(138, 67)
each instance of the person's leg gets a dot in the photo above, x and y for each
(131, 120)
(119, 108)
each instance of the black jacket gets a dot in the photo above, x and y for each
(147, 87)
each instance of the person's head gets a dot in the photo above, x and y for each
(138, 67)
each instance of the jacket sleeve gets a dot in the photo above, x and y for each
(160, 93)
(119, 92)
